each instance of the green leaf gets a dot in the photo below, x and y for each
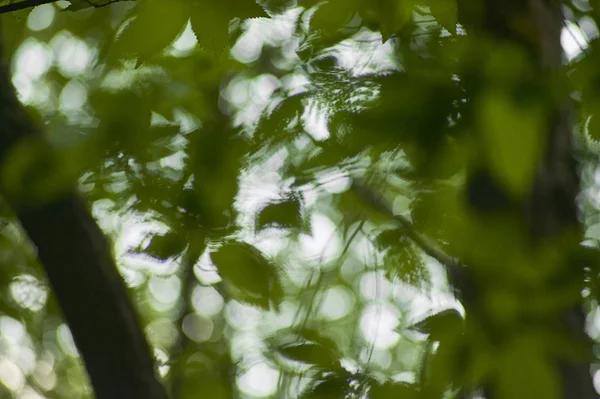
(333, 387)
(388, 239)
(165, 246)
(249, 271)
(211, 27)
(216, 157)
(445, 12)
(77, 5)
(441, 368)
(402, 259)
(333, 16)
(524, 372)
(313, 335)
(286, 113)
(593, 126)
(211, 20)
(513, 137)
(189, 203)
(393, 390)
(307, 346)
(311, 353)
(285, 213)
(32, 172)
(157, 23)
(278, 6)
(365, 202)
(447, 323)
(391, 16)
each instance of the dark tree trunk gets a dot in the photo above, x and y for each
(83, 275)
(550, 211)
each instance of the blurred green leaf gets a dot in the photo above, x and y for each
(402, 258)
(165, 246)
(314, 335)
(333, 16)
(445, 12)
(277, 6)
(157, 23)
(171, 142)
(33, 173)
(77, 5)
(334, 386)
(211, 20)
(593, 127)
(286, 113)
(307, 345)
(286, 213)
(250, 271)
(524, 372)
(514, 141)
(311, 353)
(393, 390)
(447, 323)
(441, 369)
(391, 15)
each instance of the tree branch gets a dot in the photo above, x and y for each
(21, 5)
(427, 245)
(82, 272)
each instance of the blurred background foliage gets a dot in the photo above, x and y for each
(281, 180)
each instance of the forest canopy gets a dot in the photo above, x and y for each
(302, 199)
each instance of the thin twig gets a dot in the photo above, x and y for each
(583, 47)
(23, 4)
(106, 3)
(189, 282)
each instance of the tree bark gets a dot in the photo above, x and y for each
(550, 211)
(83, 275)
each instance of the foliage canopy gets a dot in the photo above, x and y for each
(288, 182)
